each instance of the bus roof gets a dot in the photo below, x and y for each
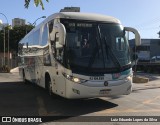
(78, 16)
(85, 16)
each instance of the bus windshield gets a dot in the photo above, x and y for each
(95, 47)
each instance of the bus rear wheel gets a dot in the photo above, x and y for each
(24, 77)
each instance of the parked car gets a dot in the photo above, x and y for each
(155, 59)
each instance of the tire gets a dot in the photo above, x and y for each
(24, 77)
(49, 85)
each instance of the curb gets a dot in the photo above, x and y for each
(145, 88)
(140, 80)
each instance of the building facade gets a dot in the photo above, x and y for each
(148, 48)
(70, 9)
(18, 22)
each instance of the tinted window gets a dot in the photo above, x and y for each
(96, 46)
(45, 36)
(30, 40)
(36, 37)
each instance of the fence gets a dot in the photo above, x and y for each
(5, 66)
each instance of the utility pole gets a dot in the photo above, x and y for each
(4, 40)
(4, 62)
(34, 24)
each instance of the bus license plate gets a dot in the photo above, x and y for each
(104, 92)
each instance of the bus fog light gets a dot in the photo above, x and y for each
(76, 91)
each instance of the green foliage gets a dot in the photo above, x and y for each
(1, 40)
(36, 2)
(5, 69)
(15, 35)
(27, 3)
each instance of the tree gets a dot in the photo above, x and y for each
(15, 35)
(36, 2)
(2, 33)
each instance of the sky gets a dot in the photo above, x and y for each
(144, 15)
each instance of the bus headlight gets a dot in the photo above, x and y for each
(74, 79)
(129, 78)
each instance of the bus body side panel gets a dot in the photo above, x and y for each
(39, 68)
(29, 69)
(54, 69)
(59, 82)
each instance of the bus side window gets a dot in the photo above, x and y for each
(50, 27)
(44, 36)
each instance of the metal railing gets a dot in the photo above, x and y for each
(12, 64)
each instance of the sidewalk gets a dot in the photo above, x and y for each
(10, 77)
(144, 86)
(154, 82)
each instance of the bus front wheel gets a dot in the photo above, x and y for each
(48, 84)
(24, 76)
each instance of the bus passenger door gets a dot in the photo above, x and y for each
(60, 82)
(57, 37)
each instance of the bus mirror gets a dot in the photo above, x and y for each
(62, 33)
(137, 35)
(134, 59)
(60, 29)
(58, 46)
(52, 34)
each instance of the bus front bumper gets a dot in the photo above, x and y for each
(98, 89)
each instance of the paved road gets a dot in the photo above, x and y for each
(19, 99)
(153, 80)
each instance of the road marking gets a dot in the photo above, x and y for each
(41, 107)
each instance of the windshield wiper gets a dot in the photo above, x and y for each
(98, 47)
(92, 58)
(114, 58)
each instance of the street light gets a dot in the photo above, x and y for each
(34, 24)
(27, 27)
(38, 19)
(4, 38)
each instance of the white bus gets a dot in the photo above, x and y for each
(78, 55)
